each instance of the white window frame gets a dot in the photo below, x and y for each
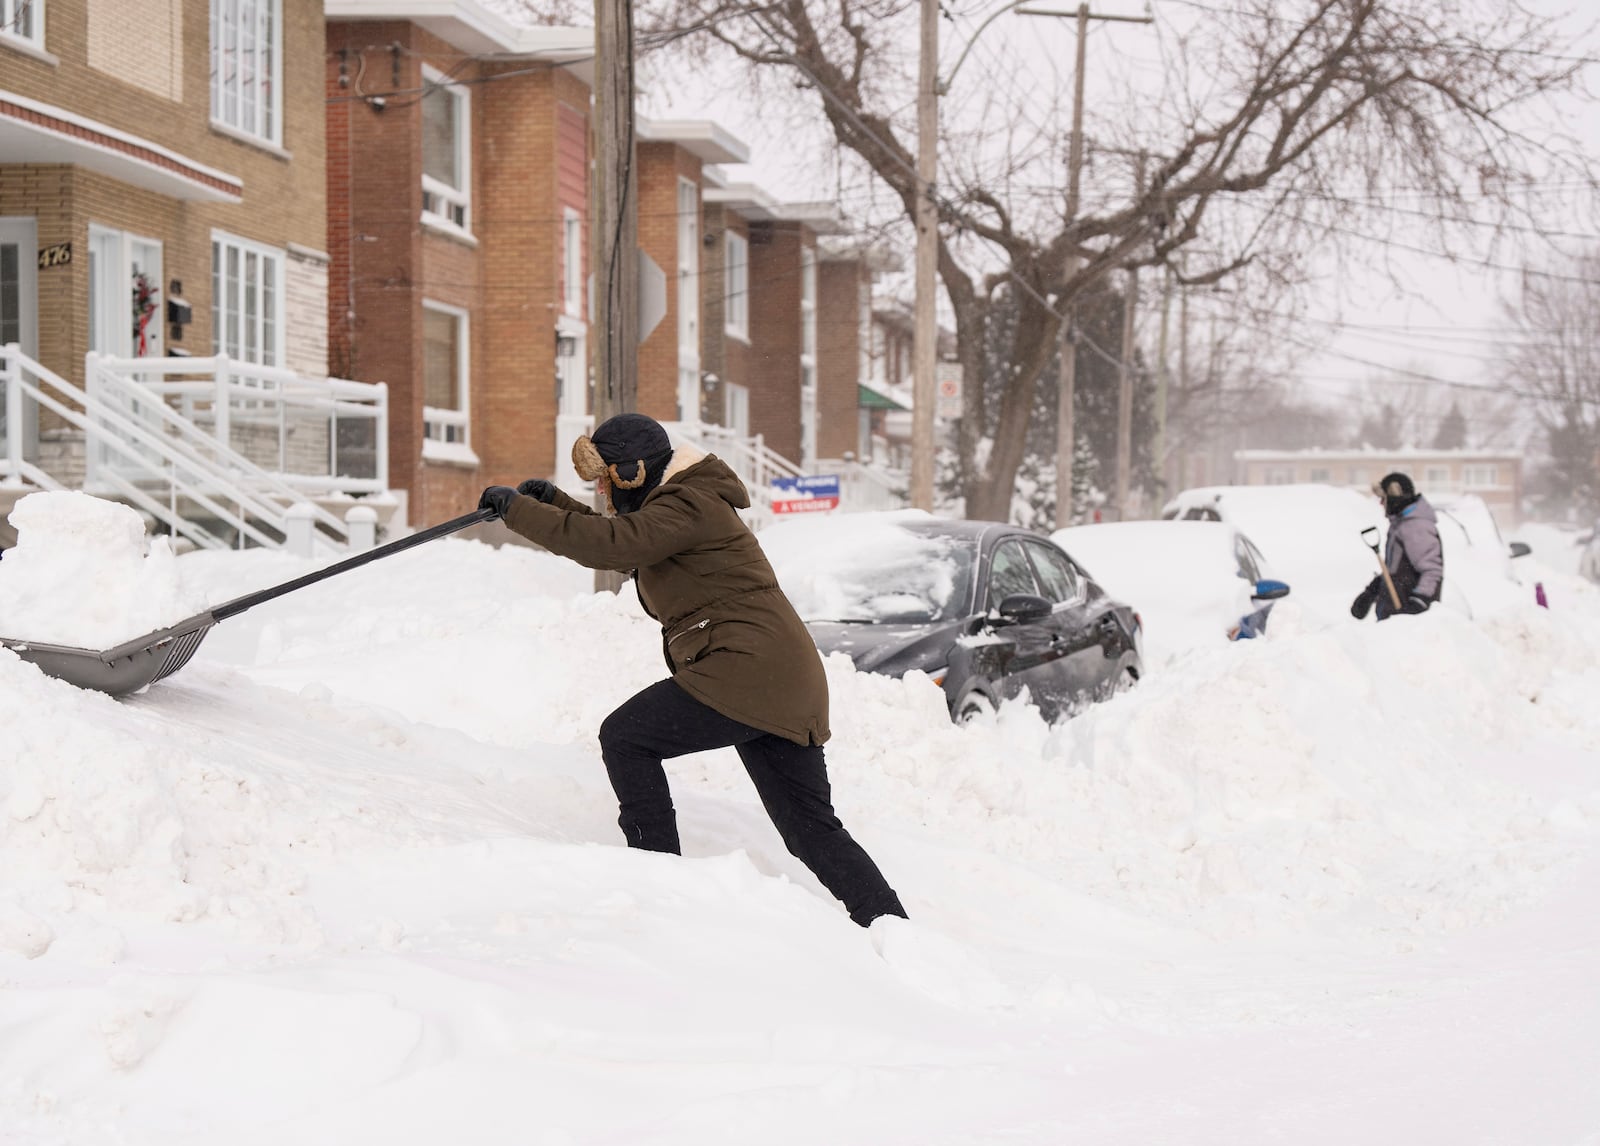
(808, 355)
(264, 254)
(440, 425)
(10, 13)
(1480, 475)
(1436, 476)
(230, 110)
(736, 286)
(572, 291)
(440, 201)
(688, 300)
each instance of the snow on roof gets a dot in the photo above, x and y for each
(477, 26)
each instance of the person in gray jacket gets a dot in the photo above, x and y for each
(1413, 554)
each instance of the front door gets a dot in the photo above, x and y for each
(19, 312)
(125, 294)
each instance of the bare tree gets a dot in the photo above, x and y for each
(1555, 358)
(1279, 125)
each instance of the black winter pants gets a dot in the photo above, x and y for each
(664, 721)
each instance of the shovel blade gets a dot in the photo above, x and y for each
(122, 670)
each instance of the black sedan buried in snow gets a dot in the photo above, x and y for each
(987, 610)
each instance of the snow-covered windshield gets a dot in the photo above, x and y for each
(867, 567)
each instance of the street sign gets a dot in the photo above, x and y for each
(947, 385)
(809, 493)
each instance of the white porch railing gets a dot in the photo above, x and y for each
(321, 436)
(140, 449)
(865, 488)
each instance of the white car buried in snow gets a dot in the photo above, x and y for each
(1195, 583)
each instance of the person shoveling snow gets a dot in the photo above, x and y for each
(83, 574)
(744, 671)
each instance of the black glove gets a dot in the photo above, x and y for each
(538, 488)
(497, 498)
(1362, 605)
(1415, 604)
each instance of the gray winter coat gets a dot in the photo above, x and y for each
(1414, 554)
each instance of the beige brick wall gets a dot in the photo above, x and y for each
(306, 313)
(110, 82)
(140, 42)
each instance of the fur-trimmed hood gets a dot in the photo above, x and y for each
(707, 471)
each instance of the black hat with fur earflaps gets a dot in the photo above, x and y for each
(1397, 491)
(627, 454)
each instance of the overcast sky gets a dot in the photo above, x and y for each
(1439, 320)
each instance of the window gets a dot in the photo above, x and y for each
(1436, 475)
(245, 66)
(1480, 476)
(246, 300)
(1249, 561)
(1009, 573)
(445, 360)
(1278, 475)
(572, 262)
(23, 20)
(1321, 475)
(736, 285)
(446, 153)
(1359, 479)
(1054, 573)
(808, 355)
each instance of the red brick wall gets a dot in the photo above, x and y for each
(774, 373)
(661, 165)
(530, 158)
(838, 355)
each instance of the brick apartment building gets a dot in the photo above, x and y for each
(155, 154)
(1493, 475)
(761, 301)
(672, 159)
(457, 187)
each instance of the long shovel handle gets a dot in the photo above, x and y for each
(1384, 566)
(250, 600)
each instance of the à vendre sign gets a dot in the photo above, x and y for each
(809, 493)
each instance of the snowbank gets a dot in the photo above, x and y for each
(354, 875)
(82, 574)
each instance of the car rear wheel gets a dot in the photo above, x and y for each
(972, 707)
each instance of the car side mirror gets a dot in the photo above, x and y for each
(1021, 608)
(1269, 591)
(1520, 549)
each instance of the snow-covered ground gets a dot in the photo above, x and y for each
(353, 876)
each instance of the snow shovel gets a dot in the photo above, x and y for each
(1370, 536)
(144, 660)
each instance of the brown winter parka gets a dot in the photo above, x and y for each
(730, 637)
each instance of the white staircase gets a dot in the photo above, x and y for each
(223, 453)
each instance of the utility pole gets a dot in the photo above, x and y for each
(614, 230)
(614, 237)
(1067, 385)
(925, 332)
(1130, 304)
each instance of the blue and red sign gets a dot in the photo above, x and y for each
(808, 493)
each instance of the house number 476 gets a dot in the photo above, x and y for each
(57, 256)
